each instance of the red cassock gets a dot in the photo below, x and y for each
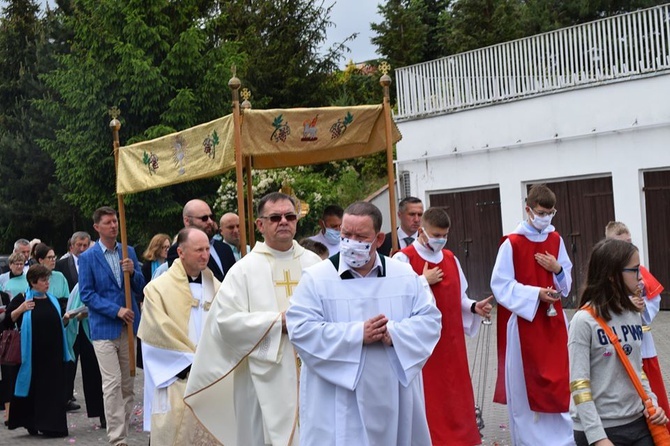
(450, 403)
(651, 366)
(544, 341)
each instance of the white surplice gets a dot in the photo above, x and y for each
(528, 428)
(355, 394)
(243, 386)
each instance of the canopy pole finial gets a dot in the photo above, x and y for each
(385, 82)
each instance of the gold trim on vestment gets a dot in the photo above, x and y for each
(580, 384)
(583, 397)
(646, 328)
(643, 375)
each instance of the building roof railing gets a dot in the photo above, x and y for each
(613, 49)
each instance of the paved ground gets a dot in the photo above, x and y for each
(84, 431)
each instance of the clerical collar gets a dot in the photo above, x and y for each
(195, 280)
(281, 254)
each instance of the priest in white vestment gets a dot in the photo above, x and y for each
(243, 386)
(364, 326)
(174, 312)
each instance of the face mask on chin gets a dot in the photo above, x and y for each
(332, 236)
(355, 253)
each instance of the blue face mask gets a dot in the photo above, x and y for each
(436, 244)
(332, 236)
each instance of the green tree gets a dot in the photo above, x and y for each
(154, 60)
(30, 204)
(401, 36)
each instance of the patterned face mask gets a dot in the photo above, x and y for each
(355, 253)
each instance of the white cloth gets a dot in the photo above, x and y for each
(651, 309)
(243, 382)
(471, 321)
(528, 428)
(333, 248)
(355, 394)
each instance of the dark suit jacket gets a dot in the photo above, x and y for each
(385, 248)
(225, 255)
(69, 270)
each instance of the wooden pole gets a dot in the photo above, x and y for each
(385, 82)
(234, 85)
(250, 203)
(246, 105)
(115, 125)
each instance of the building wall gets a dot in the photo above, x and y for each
(618, 130)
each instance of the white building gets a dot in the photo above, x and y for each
(584, 109)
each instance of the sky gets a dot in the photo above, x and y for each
(348, 17)
(354, 16)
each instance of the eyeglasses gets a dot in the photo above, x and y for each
(543, 214)
(276, 218)
(18, 263)
(204, 218)
(632, 270)
(50, 257)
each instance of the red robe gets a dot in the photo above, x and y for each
(651, 366)
(544, 341)
(450, 402)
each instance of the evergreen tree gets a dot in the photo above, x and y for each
(30, 204)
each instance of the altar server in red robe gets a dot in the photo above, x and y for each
(450, 403)
(531, 272)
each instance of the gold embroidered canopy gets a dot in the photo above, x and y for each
(271, 138)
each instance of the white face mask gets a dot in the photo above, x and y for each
(436, 244)
(355, 253)
(541, 223)
(332, 236)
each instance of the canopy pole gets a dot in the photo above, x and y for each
(234, 85)
(250, 202)
(385, 82)
(115, 125)
(246, 105)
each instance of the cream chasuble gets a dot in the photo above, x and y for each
(243, 386)
(170, 328)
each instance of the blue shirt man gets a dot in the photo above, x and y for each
(101, 284)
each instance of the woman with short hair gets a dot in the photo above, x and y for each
(39, 399)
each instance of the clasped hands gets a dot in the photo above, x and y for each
(375, 330)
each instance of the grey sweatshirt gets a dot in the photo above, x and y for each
(596, 369)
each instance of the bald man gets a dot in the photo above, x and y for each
(197, 214)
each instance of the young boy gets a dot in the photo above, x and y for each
(531, 272)
(649, 304)
(450, 404)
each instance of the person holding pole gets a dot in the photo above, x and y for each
(101, 283)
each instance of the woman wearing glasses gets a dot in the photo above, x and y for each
(605, 406)
(14, 281)
(38, 402)
(44, 255)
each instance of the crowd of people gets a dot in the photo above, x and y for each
(338, 339)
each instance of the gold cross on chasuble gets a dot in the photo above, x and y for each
(288, 284)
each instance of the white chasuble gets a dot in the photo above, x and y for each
(351, 393)
(243, 386)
